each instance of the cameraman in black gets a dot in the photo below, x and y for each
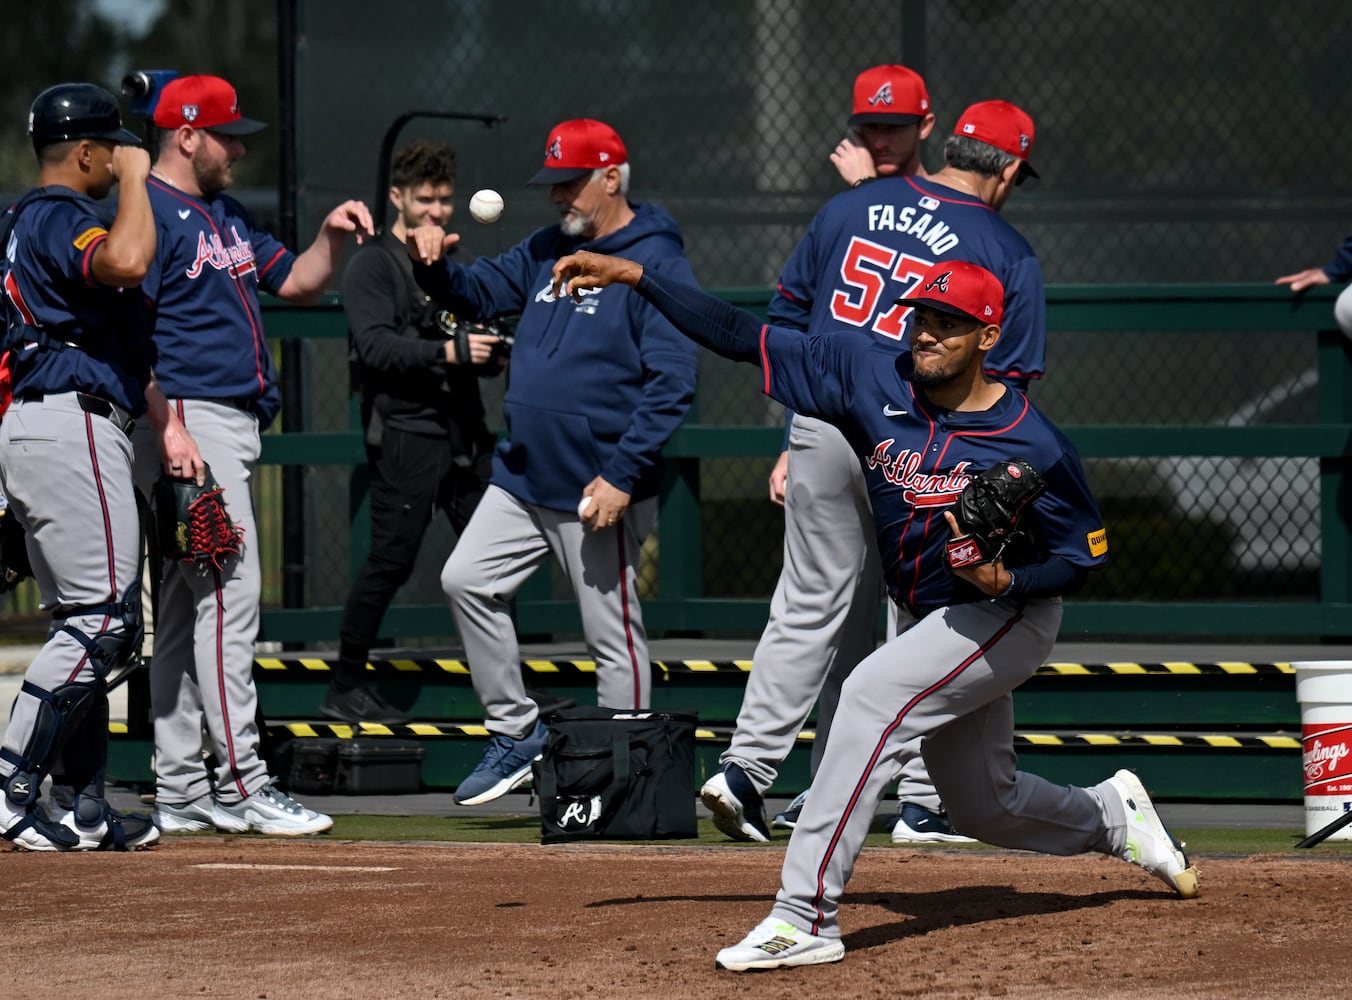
(426, 441)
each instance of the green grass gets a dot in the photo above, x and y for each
(523, 829)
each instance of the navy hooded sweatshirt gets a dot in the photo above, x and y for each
(595, 387)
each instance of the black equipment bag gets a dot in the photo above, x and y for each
(610, 774)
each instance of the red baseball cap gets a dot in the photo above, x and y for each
(1002, 125)
(959, 288)
(206, 102)
(889, 95)
(576, 148)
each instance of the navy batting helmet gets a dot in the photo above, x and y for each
(76, 111)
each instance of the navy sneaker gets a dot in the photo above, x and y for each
(918, 825)
(505, 765)
(788, 819)
(738, 808)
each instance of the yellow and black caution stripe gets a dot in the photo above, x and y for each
(1047, 740)
(562, 669)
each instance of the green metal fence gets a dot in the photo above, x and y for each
(1227, 511)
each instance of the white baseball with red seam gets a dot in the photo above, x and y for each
(582, 506)
(486, 206)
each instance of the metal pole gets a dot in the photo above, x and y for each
(292, 382)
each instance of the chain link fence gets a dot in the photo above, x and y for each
(1201, 142)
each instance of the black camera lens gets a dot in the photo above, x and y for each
(137, 84)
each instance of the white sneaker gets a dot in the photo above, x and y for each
(775, 944)
(269, 810)
(191, 817)
(1149, 844)
(114, 831)
(738, 809)
(32, 830)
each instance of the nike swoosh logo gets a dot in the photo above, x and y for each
(183, 213)
(888, 411)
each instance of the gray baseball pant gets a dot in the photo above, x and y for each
(506, 541)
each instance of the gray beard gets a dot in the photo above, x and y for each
(575, 225)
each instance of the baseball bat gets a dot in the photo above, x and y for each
(1326, 831)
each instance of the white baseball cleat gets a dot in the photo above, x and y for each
(1148, 842)
(774, 944)
(738, 809)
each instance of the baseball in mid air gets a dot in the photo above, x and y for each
(485, 206)
(582, 506)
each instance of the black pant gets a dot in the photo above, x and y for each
(411, 476)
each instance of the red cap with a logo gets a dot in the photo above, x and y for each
(889, 95)
(1002, 125)
(576, 148)
(205, 102)
(960, 288)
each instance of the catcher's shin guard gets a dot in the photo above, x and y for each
(60, 713)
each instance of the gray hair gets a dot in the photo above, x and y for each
(962, 152)
(624, 176)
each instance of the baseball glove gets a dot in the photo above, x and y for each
(191, 522)
(988, 512)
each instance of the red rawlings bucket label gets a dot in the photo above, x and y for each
(1326, 752)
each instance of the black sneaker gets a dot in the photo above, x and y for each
(361, 704)
(917, 825)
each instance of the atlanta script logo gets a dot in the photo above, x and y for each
(237, 259)
(919, 490)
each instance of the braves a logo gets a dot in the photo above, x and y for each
(554, 151)
(546, 294)
(883, 95)
(939, 281)
(237, 258)
(919, 490)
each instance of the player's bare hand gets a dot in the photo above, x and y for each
(130, 164)
(853, 163)
(351, 217)
(182, 460)
(428, 244)
(779, 479)
(607, 507)
(1302, 280)
(990, 578)
(481, 347)
(585, 269)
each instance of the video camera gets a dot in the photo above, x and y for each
(142, 87)
(459, 330)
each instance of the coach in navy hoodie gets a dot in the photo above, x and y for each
(595, 390)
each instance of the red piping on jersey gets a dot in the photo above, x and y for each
(765, 360)
(938, 461)
(628, 623)
(87, 261)
(878, 748)
(779, 287)
(243, 300)
(978, 203)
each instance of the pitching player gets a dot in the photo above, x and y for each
(864, 248)
(214, 367)
(81, 363)
(924, 422)
(1340, 270)
(597, 387)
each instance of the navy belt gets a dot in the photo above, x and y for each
(240, 403)
(918, 611)
(96, 405)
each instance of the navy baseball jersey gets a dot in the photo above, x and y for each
(917, 458)
(869, 245)
(49, 285)
(203, 289)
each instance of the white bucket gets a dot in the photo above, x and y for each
(1324, 690)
